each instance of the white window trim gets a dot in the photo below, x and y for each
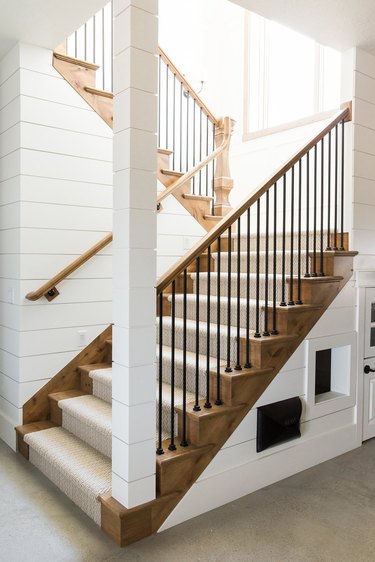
(317, 115)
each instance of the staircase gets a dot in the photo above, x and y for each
(231, 313)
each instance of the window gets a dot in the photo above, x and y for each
(288, 76)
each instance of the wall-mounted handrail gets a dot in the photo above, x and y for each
(232, 216)
(181, 78)
(49, 290)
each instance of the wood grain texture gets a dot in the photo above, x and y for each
(38, 407)
(208, 430)
(64, 273)
(81, 76)
(236, 213)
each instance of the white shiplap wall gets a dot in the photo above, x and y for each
(363, 84)
(56, 201)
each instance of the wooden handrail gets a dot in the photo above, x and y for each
(49, 290)
(232, 216)
(188, 176)
(187, 86)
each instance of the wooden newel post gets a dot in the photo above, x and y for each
(223, 183)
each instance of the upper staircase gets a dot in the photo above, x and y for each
(230, 314)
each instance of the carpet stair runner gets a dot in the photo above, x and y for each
(76, 456)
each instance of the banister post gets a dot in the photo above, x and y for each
(223, 182)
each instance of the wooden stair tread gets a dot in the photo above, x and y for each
(98, 92)
(77, 62)
(94, 367)
(165, 151)
(192, 197)
(316, 280)
(173, 173)
(216, 218)
(35, 426)
(57, 396)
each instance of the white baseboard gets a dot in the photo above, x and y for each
(229, 485)
(7, 431)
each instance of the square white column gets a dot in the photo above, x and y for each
(134, 243)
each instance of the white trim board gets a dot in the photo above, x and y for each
(249, 477)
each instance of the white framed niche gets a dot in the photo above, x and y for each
(331, 365)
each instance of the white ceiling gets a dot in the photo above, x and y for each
(340, 24)
(42, 22)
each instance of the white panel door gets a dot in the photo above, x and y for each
(369, 398)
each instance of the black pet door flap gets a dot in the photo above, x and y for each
(278, 422)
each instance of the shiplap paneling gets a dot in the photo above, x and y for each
(56, 202)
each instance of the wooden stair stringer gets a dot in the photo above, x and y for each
(82, 78)
(69, 378)
(212, 428)
(199, 207)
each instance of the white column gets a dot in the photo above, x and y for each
(134, 268)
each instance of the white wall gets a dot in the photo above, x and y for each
(56, 197)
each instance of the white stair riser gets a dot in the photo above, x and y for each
(102, 442)
(222, 305)
(224, 286)
(191, 340)
(71, 488)
(102, 391)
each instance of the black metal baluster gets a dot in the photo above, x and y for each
(159, 102)
(218, 400)
(291, 280)
(167, 108)
(248, 363)
(342, 183)
(238, 362)
(172, 446)
(181, 90)
(76, 44)
(187, 130)
(213, 171)
(229, 298)
(184, 442)
(299, 266)
(321, 272)
(103, 52)
(266, 331)
(257, 287)
(208, 403)
(200, 150)
(197, 334)
(111, 49)
(314, 273)
(274, 331)
(283, 300)
(94, 37)
(194, 118)
(174, 124)
(159, 449)
(336, 190)
(307, 274)
(207, 165)
(85, 41)
(328, 248)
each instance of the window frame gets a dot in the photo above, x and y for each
(317, 115)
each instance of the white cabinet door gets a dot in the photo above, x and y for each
(369, 399)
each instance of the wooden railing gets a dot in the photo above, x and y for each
(49, 290)
(211, 311)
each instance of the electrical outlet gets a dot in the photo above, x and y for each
(82, 338)
(11, 295)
